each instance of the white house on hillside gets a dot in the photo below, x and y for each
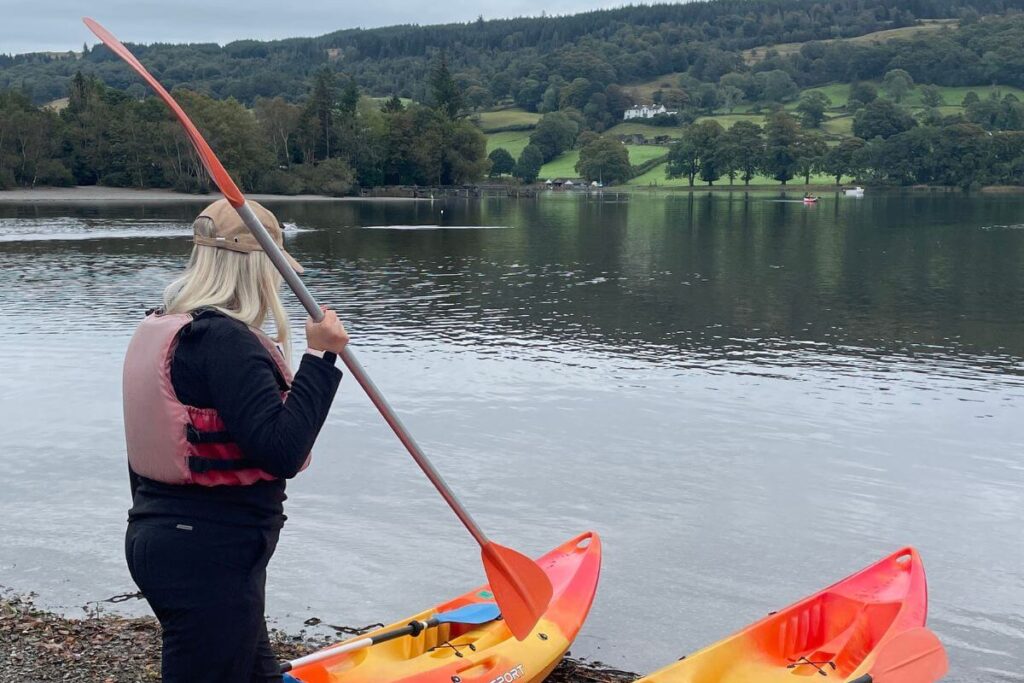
(646, 111)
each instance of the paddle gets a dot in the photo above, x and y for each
(480, 613)
(521, 588)
(914, 656)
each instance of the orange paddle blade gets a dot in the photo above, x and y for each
(914, 656)
(213, 166)
(521, 588)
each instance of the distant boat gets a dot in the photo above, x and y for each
(810, 200)
(854, 192)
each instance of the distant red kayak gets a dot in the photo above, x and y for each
(833, 635)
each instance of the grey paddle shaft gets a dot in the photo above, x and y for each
(355, 367)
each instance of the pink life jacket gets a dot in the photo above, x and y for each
(167, 440)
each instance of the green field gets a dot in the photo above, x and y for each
(839, 93)
(641, 154)
(656, 177)
(634, 128)
(564, 166)
(954, 96)
(512, 141)
(838, 125)
(726, 120)
(506, 118)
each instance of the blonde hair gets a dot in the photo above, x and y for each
(241, 285)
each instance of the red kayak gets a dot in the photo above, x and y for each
(835, 634)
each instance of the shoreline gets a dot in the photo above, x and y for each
(120, 195)
(39, 646)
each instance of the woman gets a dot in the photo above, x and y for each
(215, 423)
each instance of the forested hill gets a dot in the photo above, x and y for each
(521, 58)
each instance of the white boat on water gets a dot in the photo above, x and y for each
(854, 192)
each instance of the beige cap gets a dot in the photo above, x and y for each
(229, 232)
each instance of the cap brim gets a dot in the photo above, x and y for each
(296, 266)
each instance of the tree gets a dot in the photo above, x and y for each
(233, 131)
(529, 163)
(810, 152)
(585, 138)
(694, 151)
(961, 155)
(318, 117)
(349, 99)
(445, 94)
(465, 153)
(776, 86)
(841, 159)
(528, 93)
(393, 105)
(970, 98)
(280, 122)
(674, 98)
(730, 96)
(744, 82)
(477, 97)
(605, 160)
(782, 138)
(707, 98)
(577, 93)
(864, 93)
(897, 83)
(741, 149)
(502, 162)
(931, 96)
(555, 133)
(812, 108)
(882, 119)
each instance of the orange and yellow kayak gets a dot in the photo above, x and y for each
(479, 654)
(833, 635)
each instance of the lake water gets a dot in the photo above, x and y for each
(748, 398)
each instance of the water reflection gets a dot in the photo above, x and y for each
(668, 280)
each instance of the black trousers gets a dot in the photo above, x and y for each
(206, 584)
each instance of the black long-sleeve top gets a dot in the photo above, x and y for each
(219, 363)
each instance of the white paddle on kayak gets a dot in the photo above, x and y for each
(914, 656)
(521, 588)
(474, 615)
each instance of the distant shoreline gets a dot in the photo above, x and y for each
(122, 195)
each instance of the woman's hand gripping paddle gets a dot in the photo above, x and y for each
(914, 656)
(475, 614)
(521, 588)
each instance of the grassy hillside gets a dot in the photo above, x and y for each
(511, 141)
(952, 96)
(838, 123)
(758, 54)
(644, 91)
(506, 119)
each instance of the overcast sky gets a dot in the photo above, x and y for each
(44, 25)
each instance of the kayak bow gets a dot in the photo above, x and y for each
(835, 634)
